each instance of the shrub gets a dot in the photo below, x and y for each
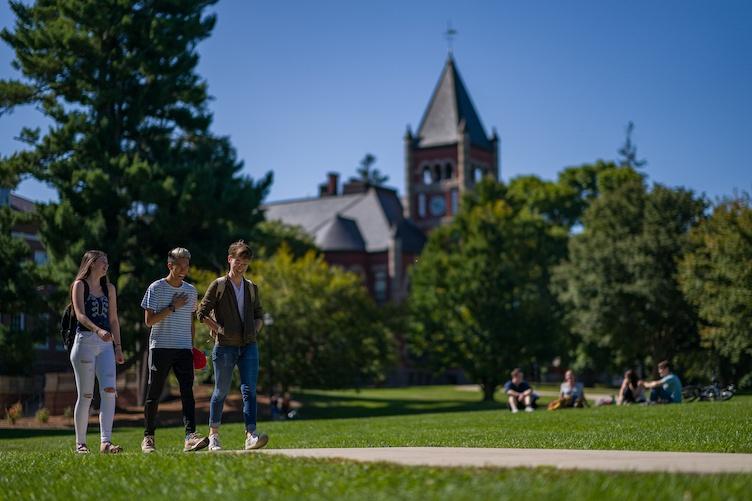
(42, 415)
(14, 412)
(68, 412)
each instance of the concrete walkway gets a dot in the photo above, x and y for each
(640, 461)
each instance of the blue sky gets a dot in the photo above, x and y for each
(303, 88)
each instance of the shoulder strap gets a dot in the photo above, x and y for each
(251, 289)
(221, 284)
(86, 294)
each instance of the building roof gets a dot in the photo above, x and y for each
(21, 204)
(359, 221)
(342, 234)
(450, 105)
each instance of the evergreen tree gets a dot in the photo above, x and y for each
(628, 151)
(128, 151)
(368, 174)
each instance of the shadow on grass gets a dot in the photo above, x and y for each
(322, 406)
(11, 433)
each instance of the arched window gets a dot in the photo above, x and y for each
(427, 176)
(436, 173)
(448, 171)
(478, 173)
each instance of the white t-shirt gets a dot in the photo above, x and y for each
(175, 330)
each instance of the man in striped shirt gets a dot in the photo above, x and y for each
(168, 306)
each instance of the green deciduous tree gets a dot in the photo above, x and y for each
(480, 296)
(619, 282)
(128, 151)
(327, 331)
(716, 277)
(271, 235)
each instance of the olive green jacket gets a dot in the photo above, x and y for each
(224, 309)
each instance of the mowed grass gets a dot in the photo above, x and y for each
(40, 464)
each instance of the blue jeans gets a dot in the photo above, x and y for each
(225, 358)
(661, 396)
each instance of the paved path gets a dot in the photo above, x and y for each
(683, 462)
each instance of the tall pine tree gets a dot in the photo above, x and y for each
(128, 150)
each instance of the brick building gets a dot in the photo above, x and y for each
(373, 232)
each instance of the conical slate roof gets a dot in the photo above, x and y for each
(450, 105)
(342, 234)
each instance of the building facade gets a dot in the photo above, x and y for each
(369, 229)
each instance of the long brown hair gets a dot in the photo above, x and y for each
(84, 270)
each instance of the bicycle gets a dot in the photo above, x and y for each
(711, 393)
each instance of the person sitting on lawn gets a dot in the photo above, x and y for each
(631, 391)
(572, 393)
(667, 389)
(519, 391)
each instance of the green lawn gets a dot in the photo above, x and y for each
(39, 464)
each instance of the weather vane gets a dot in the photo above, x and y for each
(449, 34)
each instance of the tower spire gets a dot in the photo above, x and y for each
(449, 34)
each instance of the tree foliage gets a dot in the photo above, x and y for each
(619, 283)
(326, 331)
(19, 293)
(368, 174)
(716, 277)
(128, 151)
(480, 296)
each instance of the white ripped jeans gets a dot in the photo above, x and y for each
(91, 357)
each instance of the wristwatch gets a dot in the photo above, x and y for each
(171, 307)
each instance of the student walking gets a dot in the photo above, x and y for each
(168, 306)
(94, 303)
(232, 309)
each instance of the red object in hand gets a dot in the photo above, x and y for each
(199, 359)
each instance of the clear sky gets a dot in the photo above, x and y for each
(303, 88)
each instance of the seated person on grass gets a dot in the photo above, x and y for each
(631, 391)
(571, 393)
(667, 389)
(519, 392)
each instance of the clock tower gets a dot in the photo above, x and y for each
(448, 154)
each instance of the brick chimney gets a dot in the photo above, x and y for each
(329, 188)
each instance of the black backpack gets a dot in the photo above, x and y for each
(69, 323)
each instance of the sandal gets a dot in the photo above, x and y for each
(82, 449)
(109, 448)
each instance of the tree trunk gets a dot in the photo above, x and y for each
(489, 389)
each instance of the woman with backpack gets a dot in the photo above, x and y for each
(94, 302)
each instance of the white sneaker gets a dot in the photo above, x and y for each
(255, 440)
(194, 442)
(529, 409)
(147, 444)
(214, 444)
(515, 411)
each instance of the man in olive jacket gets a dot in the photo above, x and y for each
(232, 309)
